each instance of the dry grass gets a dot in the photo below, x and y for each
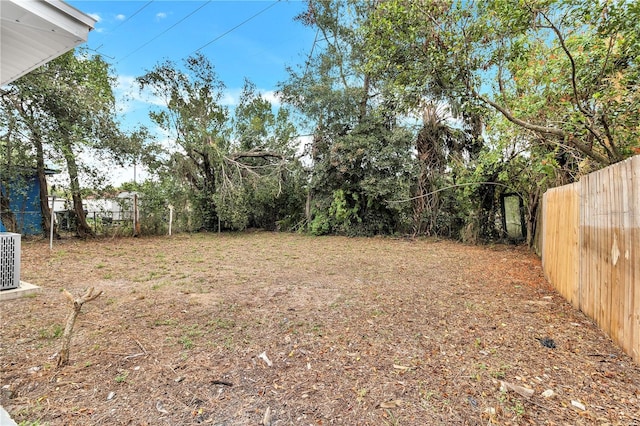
(359, 332)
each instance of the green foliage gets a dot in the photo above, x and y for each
(361, 156)
(195, 117)
(229, 171)
(320, 225)
(64, 108)
(561, 69)
(344, 210)
(514, 98)
(356, 179)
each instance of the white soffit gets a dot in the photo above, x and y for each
(33, 32)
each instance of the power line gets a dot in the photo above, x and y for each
(96, 50)
(132, 15)
(164, 32)
(236, 27)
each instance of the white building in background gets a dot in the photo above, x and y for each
(118, 208)
(58, 204)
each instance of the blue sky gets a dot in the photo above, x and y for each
(134, 36)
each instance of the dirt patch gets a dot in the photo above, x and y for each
(356, 332)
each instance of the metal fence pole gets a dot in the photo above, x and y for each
(52, 221)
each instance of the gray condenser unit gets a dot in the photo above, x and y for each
(9, 260)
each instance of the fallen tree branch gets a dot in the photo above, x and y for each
(88, 296)
(256, 154)
(135, 355)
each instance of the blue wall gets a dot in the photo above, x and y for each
(25, 204)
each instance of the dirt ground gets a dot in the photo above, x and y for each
(280, 329)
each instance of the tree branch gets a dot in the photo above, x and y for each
(256, 154)
(564, 47)
(605, 142)
(529, 126)
(559, 133)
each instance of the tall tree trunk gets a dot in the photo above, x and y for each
(430, 162)
(6, 215)
(44, 190)
(420, 202)
(314, 161)
(83, 229)
(532, 217)
(210, 184)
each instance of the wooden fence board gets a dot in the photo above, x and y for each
(586, 292)
(634, 291)
(616, 239)
(560, 244)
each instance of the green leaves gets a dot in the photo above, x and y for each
(238, 170)
(554, 67)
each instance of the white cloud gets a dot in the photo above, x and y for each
(273, 97)
(120, 17)
(160, 15)
(231, 97)
(95, 16)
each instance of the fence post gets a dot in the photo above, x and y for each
(52, 221)
(170, 218)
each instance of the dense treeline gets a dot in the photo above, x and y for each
(419, 116)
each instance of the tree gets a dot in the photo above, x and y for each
(12, 154)
(264, 178)
(223, 166)
(564, 70)
(359, 153)
(195, 118)
(557, 73)
(65, 107)
(25, 124)
(439, 144)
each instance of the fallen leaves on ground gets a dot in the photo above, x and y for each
(282, 329)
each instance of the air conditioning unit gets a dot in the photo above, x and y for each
(9, 260)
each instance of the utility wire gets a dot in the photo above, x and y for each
(97, 49)
(132, 15)
(164, 32)
(236, 27)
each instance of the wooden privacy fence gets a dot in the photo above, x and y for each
(591, 248)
